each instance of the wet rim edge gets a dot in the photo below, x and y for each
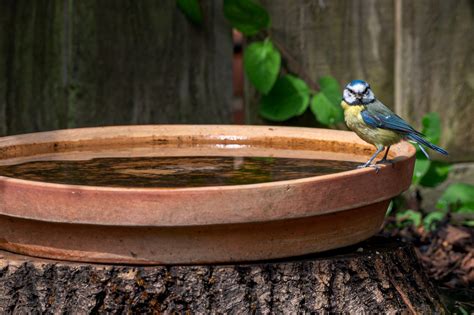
(409, 149)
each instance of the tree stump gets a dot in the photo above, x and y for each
(379, 275)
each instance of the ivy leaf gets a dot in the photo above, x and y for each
(289, 97)
(436, 174)
(325, 105)
(262, 65)
(246, 16)
(457, 196)
(191, 9)
(432, 127)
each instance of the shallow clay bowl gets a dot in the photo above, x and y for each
(200, 224)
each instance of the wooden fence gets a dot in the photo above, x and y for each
(417, 55)
(83, 63)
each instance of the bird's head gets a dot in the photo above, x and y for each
(358, 92)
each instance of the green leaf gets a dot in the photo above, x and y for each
(288, 98)
(262, 65)
(462, 310)
(436, 174)
(331, 88)
(466, 208)
(456, 196)
(431, 218)
(191, 9)
(469, 223)
(422, 165)
(409, 216)
(326, 105)
(389, 208)
(246, 16)
(432, 127)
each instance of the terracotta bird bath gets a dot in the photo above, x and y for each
(199, 224)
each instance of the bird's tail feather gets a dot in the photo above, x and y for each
(421, 141)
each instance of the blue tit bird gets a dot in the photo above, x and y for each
(377, 124)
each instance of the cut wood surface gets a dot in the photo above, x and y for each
(377, 276)
(70, 64)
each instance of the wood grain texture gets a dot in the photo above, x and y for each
(4, 52)
(437, 69)
(88, 63)
(34, 93)
(385, 277)
(345, 39)
(418, 56)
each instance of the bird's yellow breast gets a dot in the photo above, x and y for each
(373, 135)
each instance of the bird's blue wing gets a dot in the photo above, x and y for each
(378, 115)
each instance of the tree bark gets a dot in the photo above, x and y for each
(376, 276)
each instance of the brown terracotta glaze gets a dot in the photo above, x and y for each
(199, 224)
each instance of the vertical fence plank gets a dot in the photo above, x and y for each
(436, 69)
(35, 98)
(144, 62)
(4, 50)
(87, 63)
(346, 39)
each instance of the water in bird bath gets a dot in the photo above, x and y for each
(134, 168)
(167, 224)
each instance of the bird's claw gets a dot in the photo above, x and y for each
(385, 161)
(376, 167)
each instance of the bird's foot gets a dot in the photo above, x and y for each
(385, 161)
(376, 167)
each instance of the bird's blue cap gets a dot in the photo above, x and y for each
(357, 82)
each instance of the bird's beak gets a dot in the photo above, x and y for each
(359, 96)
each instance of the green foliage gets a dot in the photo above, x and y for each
(457, 197)
(469, 223)
(430, 220)
(422, 165)
(288, 98)
(325, 105)
(432, 127)
(436, 174)
(191, 9)
(389, 208)
(462, 310)
(430, 173)
(409, 217)
(246, 16)
(262, 65)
